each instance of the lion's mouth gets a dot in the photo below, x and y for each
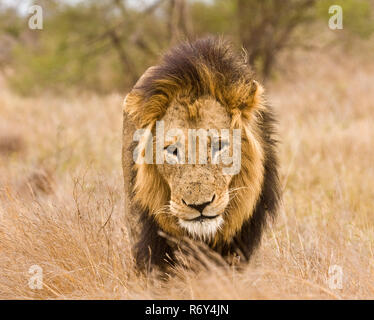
(202, 227)
(201, 218)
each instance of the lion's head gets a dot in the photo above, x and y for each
(200, 87)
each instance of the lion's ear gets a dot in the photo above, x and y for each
(132, 104)
(256, 96)
(147, 74)
(138, 85)
(252, 98)
(256, 89)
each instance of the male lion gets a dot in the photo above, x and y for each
(198, 85)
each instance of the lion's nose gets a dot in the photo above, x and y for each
(201, 206)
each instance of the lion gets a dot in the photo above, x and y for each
(205, 85)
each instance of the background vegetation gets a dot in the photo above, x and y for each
(106, 45)
(61, 193)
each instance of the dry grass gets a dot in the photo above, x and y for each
(61, 195)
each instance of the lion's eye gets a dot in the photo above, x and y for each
(171, 154)
(218, 147)
(172, 150)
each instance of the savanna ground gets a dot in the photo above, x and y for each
(61, 198)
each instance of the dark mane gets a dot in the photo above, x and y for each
(249, 237)
(207, 66)
(184, 66)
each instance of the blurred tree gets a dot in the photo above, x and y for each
(105, 45)
(213, 17)
(179, 21)
(100, 45)
(266, 27)
(10, 31)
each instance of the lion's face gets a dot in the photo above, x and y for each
(199, 193)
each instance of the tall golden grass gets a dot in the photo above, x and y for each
(61, 198)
